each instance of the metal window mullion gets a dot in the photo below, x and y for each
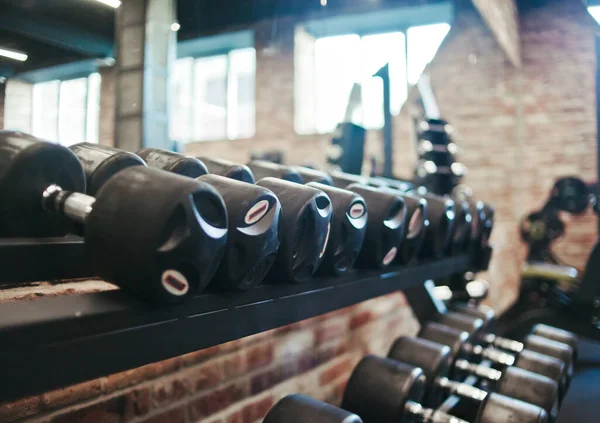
(227, 73)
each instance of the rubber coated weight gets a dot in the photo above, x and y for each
(472, 325)
(464, 226)
(348, 228)
(297, 408)
(554, 349)
(385, 227)
(397, 184)
(417, 216)
(483, 312)
(263, 169)
(487, 224)
(27, 167)
(253, 213)
(458, 341)
(313, 175)
(342, 180)
(303, 230)
(229, 169)
(101, 162)
(436, 361)
(442, 221)
(559, 335)
(173, 162)
(379, 389)
(500, 408)
(156, 234)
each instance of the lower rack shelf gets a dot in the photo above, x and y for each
(57, 341)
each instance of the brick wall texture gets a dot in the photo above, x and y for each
(519, 128)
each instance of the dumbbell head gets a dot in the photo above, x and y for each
(252, 242)
(397, 184)
(530, 387)
(101, 162)
(487, 224)
(157, 234)
(434, 359)
(558, 335)
(544, 365)
(385, 227)
(297, 408)
(342, 179)
(463, 322)
(27, 167)
(445, 335)
(442, 220)
(173, 162)
(263, 169)
(303, 229)
(348, 228)
(380, 389)
(500, 408)
(552, 348)
(229, 169)
(462, 234)
(313, 175)
(483, 312)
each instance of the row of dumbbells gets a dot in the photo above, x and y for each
(162, 225)
(412, 382)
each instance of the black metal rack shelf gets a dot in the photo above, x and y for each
(54, 342)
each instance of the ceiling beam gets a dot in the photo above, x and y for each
(73, 39)
(502, 17)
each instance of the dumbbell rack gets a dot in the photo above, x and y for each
(57, 341)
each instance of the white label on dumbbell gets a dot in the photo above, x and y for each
(390, 256)
(256, 212)
(357, 210)
(326, 240)
(175, 283)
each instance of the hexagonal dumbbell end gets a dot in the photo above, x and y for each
(156, 234)
(263, 169)
(348, 228)
(558, 335)
(101, 162)
(28, 166)
(253, 213)
(173, 162)
(298, 408)
(229, 169)
(385, 227)
(313, 175)
(303, 231)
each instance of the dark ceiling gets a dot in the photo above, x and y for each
(59, 31)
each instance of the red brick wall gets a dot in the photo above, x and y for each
(235, 382)
(521, 128)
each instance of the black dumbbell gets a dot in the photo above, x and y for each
(488, 316)
(100, 162)
(303, 229)
(348, 228)
(458, 341)
(464, 227)
(263, 169)
(173, 162)
(397, 184)
(437, 362)
(417, 217)
(298, 408)
(313, 175)
(154, 234)
(476, 328)
(381, 390)
(253, 213)
(229, 169)
(442, 225)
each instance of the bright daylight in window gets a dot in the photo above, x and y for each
(595, 12)
(67, 111)
(213, 97)
(343, 61)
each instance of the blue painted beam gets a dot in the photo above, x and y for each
(73, 39)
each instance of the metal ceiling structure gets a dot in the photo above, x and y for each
(53, 32)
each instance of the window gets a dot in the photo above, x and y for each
(213, 97)
(343, 73)
(67, 111)
(595, 12)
